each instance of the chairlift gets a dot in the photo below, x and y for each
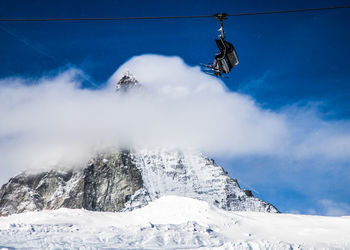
(227, 58)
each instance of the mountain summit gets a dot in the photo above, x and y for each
(124, 180)
(127, 82)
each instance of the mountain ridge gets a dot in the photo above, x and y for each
(126, 180)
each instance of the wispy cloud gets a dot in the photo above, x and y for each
(332, 208)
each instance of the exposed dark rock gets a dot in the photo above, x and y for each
(104, 185)
(128, 180)
(248, 193)
(110, 182)
(127, 82)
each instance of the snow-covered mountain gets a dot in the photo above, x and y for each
(172, 222)
(126, 180)
(160, 198)
(151, 199)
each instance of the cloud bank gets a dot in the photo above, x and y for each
(52, 120)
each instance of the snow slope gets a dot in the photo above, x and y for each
(190, 174)
(172, 222)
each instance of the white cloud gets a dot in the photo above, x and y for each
(51, 120)
(332, 208)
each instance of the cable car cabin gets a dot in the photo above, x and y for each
(227, 58)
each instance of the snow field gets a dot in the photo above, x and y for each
(173, 222)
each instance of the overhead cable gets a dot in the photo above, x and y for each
(168, 17)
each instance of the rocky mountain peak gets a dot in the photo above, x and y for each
(126, 180)
(127, 82)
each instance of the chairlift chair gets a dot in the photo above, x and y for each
(227, 58)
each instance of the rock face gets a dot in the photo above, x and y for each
(127, 180)
(109, 182)
(127, 82)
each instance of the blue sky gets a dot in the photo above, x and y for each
(298, 60)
